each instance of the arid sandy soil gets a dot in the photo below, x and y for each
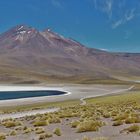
(68, 133)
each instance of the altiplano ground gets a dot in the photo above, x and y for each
(112, 117)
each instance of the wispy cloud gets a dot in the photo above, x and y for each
(129, 15)
(117, 23)
(57, 3)
(104, 5)
(117, 11)
(108, 8)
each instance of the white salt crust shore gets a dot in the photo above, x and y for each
(29, 100)
(73, 92)
(77, 92)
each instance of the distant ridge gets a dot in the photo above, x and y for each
(29, 55)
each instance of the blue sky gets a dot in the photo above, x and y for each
(112, 25)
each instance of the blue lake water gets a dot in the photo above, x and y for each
(6, 95)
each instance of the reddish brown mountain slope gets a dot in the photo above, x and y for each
(28, 54)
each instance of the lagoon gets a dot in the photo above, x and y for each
(7, 95)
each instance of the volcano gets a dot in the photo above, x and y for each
(30, 55)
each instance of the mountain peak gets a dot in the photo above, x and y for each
(16, 35)
(22, 27)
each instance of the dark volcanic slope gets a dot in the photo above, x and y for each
(26, 53)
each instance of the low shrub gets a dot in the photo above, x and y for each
(86, 138)
(54, 120)
(107, 115)
(27, 130)
(117, 123)
(13, 133)
(74, 124)
(89, 126)
(11, 123)
(39, 130)
(2, 136)
(44, 136)
(57, 132)
(121, 117)
(19, 128)
(133, 128)
(130, 120)
(40, 123)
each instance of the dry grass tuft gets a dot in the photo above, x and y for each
(40, 123)
(132, 128)
(117, 123)
(2, 136)
(45, 136)
(39, 130)
(57, 132)
(90, 125)
(11, 123)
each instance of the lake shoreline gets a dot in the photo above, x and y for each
(73, 92)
